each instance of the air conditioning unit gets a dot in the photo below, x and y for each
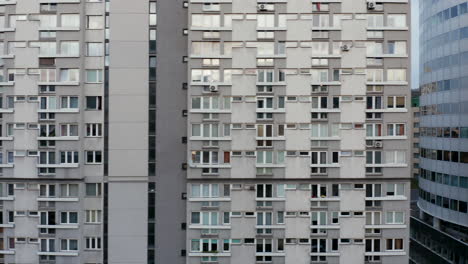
(262, 7)
(378, 144)
(213, 88)
(345, 47)
(371, 5)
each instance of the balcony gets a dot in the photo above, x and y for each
(62, 165)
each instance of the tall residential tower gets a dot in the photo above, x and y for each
(299, 131)
(205, 131)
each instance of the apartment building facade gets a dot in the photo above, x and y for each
(443, 181)
(226, 131)
(52, 58)
(299, 132)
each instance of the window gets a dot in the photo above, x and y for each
(396, 75)
(10, 157)
(318, 157)
(93, 243)
(373, 245)
(205, 21)
(374, 75)
(69, 75)
(395, 157)
(69, 130)
(204, 245)
(394, 130)
(94, 49)
(69, 157)
(320, 21)
(319, 218)
(46, 190)
(280, 217)
(46, 157)
(93, 189)
(264, 190)
(47, 75)
(94, 76)
(204, 190)
(319, 190)
(265, 21)
(373, 218)
(69, 218)
(264, 157)
(94, 22)
(205, 157)
(93, 156)
(93, 102)
(373, 130)
(319, 102)
(264, 218)
(396, 47)
(395, 189)
(69, 190)
(396, 20)
(395, 218)
(205, 75)
(375, 21)
(70, 20)
(265, 76)
(318, 245)
(93, 216)
(396, 102)
(205, 130)
(320, 48)
(208, 102)
(264, 245)
(47, 130)
(374, 190)
(47, 245)
(50, 102)
(394, 244)
(68, 244)
(319, 75)
(206, 48)
(374, 48)
(205, 218)
(226, 218)
(93, 130)
(70, 48)
(373, 157)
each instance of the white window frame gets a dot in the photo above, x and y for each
(67, 215)
(213, 157)
(374, 128)
(317, 215)
(375, 217)
(394, 187)
(93, 216)
(93, 243)
(262, 218)
(94, 157)
(393, 244)
(68, 245)
(68, 130)
(70, 157)
(93, 130)
(211, 189)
